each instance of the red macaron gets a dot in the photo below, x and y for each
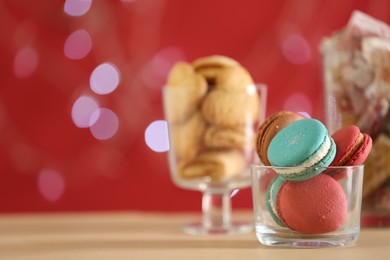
(313, 206)
(352, 146)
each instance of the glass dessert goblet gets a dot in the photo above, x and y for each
(212, 145)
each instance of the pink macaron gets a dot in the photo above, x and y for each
(313, 206)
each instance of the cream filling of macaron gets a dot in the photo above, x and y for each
(355, 148)
(311, 161)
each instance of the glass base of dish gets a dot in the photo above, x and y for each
(233, 228)
(307, 241)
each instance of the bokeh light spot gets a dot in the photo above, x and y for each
(251, 90)
(51, 184)
(165, 59)
(78, 45)
(104, 79)
(77, 7)
(25, 62)
(296, 49)
(298, 102)
(156, 71)
(82, 110)
(156, 136)
(305, 114)
(104, 123)
(234, 193)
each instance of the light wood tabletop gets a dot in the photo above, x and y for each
(137, 235)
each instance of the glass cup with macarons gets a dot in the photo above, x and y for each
(307, 193)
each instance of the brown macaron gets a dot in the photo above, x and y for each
(269, 128)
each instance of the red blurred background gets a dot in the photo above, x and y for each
(53, 51)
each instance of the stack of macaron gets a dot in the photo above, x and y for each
(302, 196)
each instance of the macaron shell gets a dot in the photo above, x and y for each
(362, 153)
(350, 151)
(297, 142)
(316, 169)
(314, 206)
(346, 139)
(270, 127)
(270, 197)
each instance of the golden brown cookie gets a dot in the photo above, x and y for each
(210, 66)
(231, 108)
(183, 93)
(187, 136)
(228, 138)
(377, 165)
(216, 164)
(183, 74)
(233, 78)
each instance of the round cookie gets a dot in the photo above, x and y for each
(226, 138)
(231, 108)
(187, 136)
(218, 165)
(183, 74)
(269, 128)
(183, 93)
(214, 60)
(210, 66)
(233, 78)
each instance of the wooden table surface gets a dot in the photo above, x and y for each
(135, 236)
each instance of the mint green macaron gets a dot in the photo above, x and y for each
(304, 146)
(270, 199)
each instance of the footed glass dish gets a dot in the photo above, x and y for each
(212, 145)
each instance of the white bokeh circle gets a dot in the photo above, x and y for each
(104, 79)
(156, 136)
(104, 123)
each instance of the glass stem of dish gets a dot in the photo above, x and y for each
(216, 209)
